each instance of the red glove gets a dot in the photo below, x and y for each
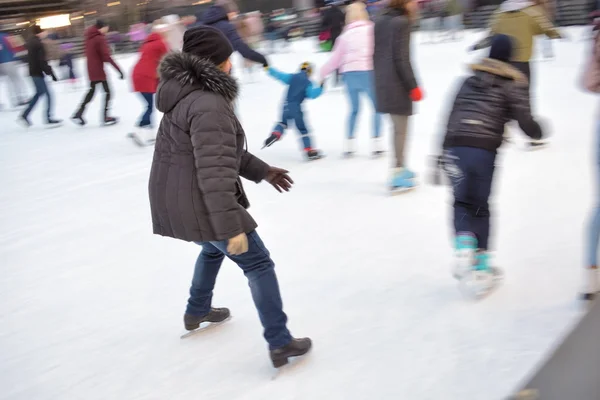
(416, 94)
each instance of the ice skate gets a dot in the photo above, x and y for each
(377, 148)
(483, 279)
(109, 121)
(275, 136)
(313, 155)
(465, 247)
(296, 348)
(402, 181)
(78, 119)
(143, 136)
(537, 145)
(215, 317)
(592, 287)
(53, 123)
(24, 122)
(349, 148)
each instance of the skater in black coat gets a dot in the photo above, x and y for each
(495, 94)
(333, 22)
(196, 193)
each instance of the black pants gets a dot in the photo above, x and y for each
(471, 171)
(90, 95)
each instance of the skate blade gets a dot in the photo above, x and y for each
(394, 191)
(537, 147)
(293, 363)
(136, 139)
(478, 286)
(315, 158)
(53, 126)
(204, 328)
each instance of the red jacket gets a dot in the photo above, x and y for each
(145, 74)
(97, 53)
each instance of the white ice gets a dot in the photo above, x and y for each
(91, 303)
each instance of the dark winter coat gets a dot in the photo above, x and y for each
(195, 188)
(97, 53)
(36, 58)
(394, 76)
(333, 21)
(216, 16)
(145, 72)
(486, 101)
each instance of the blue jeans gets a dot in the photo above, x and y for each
(293, 111)
(358, 82)
(260, 271)
(147, 116)
(41, 89)
(594, 224)
(471, 171)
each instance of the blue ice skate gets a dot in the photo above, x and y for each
(402, 181)
(465, 246)
(483, 278)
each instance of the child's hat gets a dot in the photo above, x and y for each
(306, 66)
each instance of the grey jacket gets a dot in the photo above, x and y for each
(486, 101)
(394, 76)
(195, 190)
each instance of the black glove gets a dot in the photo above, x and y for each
(265, 64)
(122, 76)
(323, 85)
(54, 78)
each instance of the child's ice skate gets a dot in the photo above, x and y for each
(483, 278)
(466, 246)
(592, 287)
(275, 136)
(402, 181)
(312, 154)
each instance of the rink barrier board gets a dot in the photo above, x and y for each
(572, 372)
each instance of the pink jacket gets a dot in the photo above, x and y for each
(353, 50)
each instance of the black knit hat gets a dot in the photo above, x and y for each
(502, 48)
(100, 24)
(208, 43)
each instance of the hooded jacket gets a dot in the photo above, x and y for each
(145, 72)
(216, 16)
(195, 189)
(394, 76)
(486, 101)
(36, 58)
(353, 51)
(97, 53)
(522, 20)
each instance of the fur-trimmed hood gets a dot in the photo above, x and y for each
(499, 68)
(183, 73)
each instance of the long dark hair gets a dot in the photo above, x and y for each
(401, 5)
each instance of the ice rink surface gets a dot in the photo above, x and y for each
(91, 303)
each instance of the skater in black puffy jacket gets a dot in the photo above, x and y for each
(495, 94)
(196, 191)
